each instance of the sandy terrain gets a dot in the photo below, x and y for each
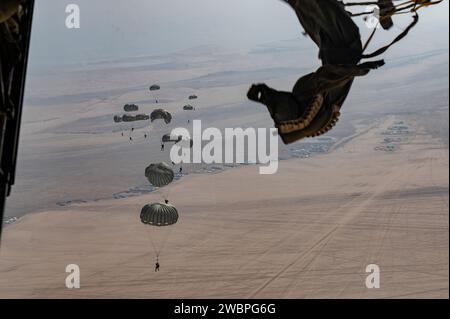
(380, 195)
(307, 232)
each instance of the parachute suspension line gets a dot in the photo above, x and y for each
(165, 193)
(394, 11)
(371, 37)
(397, 9)
(397, 39)
(158, 246)
(392, 8)
(152, 242)
(427, 3)
(416, 5)
(165, 240)
(412, 3)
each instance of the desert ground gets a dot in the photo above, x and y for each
(240, 234)
(377, 194)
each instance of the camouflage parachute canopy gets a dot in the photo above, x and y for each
(188, 108)
(131, 118)
(159, 215)
(160, 174)
(128, 118)
(193, 97)
(117, 118)
(161, 114)
(313, 106)
(181, 140)
(131, 108)
(155, 87)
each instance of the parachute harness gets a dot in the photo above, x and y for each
(389, 10)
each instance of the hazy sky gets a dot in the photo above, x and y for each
(147, 27)
(122, 28)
